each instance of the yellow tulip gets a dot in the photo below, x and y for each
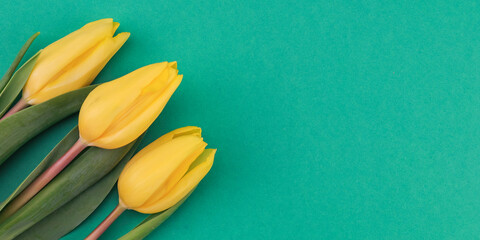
(117, 112)
(156, 178)
(162, 174)
(73, 61)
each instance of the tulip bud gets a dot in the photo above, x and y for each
(117, 112)
(73, 61)
(162, 173)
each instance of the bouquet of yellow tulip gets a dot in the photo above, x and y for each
(85, 165)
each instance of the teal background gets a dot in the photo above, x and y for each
(332, 119)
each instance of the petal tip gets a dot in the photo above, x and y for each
(115, 27)
(173, 64)
(123, 35)
(190, 130)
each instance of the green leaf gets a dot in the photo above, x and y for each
(17, 129)
(83, 172)
(70, 215)
(16, 83)
(152, 222)
(8, 75)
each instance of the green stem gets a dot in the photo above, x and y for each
(21, 104)
(106, 223)
(42, 180)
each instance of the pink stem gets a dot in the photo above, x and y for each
(21, 104)
(106, 223)
(42, 180)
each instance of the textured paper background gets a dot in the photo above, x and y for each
(333, 119)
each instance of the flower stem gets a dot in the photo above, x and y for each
(42, 180)
(21, 104)
(106, 223)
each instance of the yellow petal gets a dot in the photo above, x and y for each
(153, 169)
(109, 100)
(184, 131)
(57, 57)
(175, 176)
(142, 115)
(83, 73)
(197, 172)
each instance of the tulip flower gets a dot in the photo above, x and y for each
(71, 63)
(113, 115)
(161, 174)
(117, 112)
